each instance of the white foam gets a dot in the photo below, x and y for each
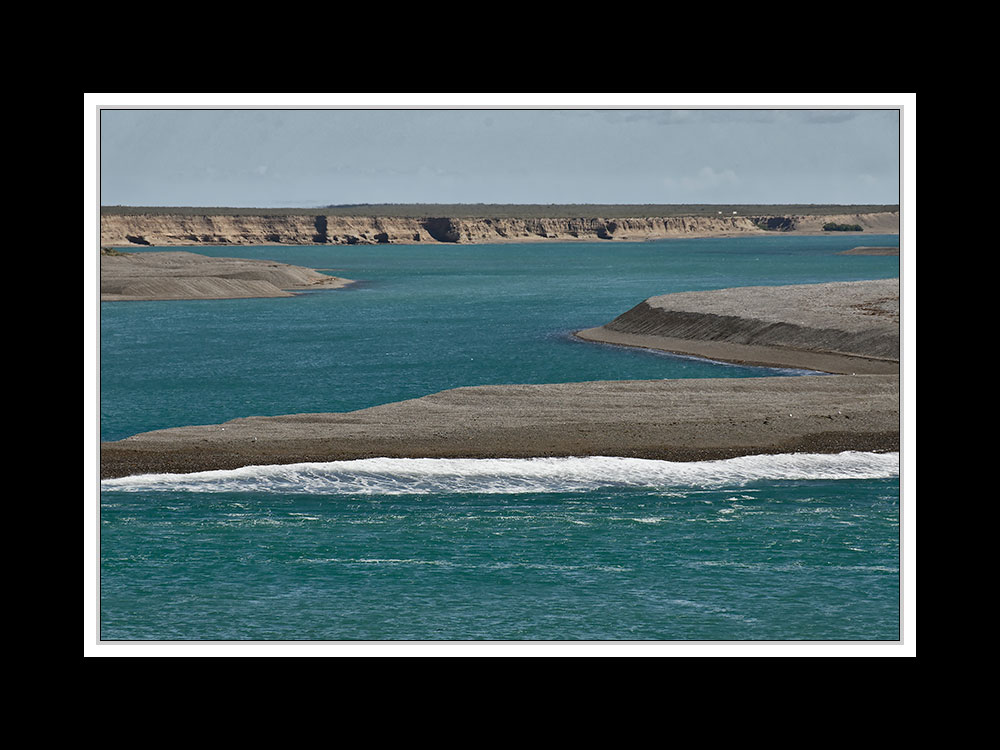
(398, 476)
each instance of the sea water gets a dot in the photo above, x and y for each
(797, 547)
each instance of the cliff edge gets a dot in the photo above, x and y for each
(160, 228)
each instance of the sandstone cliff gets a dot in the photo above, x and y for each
(165, 230)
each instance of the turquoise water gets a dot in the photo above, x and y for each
(661, 552)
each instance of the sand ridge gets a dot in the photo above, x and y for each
(186, 275)
(681, 420)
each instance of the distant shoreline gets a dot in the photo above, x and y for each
(124, 227)
(866, 250)
(514, 210)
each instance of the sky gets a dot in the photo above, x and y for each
(313, 154)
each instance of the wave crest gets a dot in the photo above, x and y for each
(406, 476)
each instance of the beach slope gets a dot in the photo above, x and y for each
(840, 327)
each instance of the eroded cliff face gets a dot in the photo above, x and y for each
(176, 230)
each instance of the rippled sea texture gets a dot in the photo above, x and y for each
(812, 560)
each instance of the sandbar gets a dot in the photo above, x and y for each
(849, 327)
(177, 275)
(679, 420)
(870, 250)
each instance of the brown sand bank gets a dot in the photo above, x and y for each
(184, 275)
(679, 420)
(866, 250)
(841, 327)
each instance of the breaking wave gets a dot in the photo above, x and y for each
(406, 476)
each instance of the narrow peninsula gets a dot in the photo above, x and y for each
(840, 327)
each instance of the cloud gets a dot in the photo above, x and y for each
(830, 115)
(706, 178)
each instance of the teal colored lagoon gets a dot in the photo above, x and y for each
(425, 319)
(768, 558)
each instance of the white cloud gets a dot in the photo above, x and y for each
(706, 178)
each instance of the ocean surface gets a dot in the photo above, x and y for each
(764, 548)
